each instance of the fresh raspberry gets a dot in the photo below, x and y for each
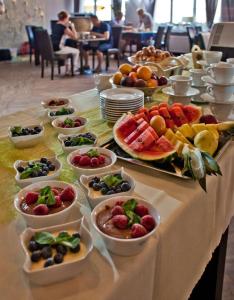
(148, 222)
(76, 159)
(84, 160)
(101, 159)
(138, 230)
(117, 210)
(120, 203)
(31, 197)
(78, 120)
(120, 221)
(55, 191)
(41, 209)
(77, 124)
(58, 202)
(67, 194)
(67, 126)
(141, 210)
(94, 162)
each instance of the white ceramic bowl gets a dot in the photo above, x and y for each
(38, 221)
(55, 124)
(222, 111)
(83, 171)
(51, 176)
(124, 247)
(51, 118)
(66, 149)
(26, 141)
(57, 272)
(93, 201)
(45, 103)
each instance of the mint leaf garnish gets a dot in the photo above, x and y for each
(92, 153)
(112, 180)
(44, 238)
(130, 205)
(69, 122)
(46, 196)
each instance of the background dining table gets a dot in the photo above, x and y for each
(138, 37)
(192, 224)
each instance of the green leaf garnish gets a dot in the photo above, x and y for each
(16, 129)
(29, 170)
(71, 242)
(80, 140)
(92, 153)
(130, 205)
(132, 218)
(46, 196)
(112, 180)
(44, 238)
(69, 122)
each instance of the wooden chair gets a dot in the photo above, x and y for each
(47, 53)
(159, 36)
(29, 31)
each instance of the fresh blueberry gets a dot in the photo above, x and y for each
(46, 252)
(96, 179)
(61, 249)
(34, 174)
(51, 167)
(31, 164)
(125, 186)
(20, 169)
(36, 256)
(37, 129)
(96, 186)
(58, 258)
(40, 173)
(49, 163)
(45, 169)
(76, 249)
(110, 192)
(91, 183)
(43, 160)
(49, 262)
(67, 143)
(104, 191)
(33, 246)
(33, 132)
(118, 189)
(44, 173)
(76, 234)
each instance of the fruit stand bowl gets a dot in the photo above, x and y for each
(124, 246)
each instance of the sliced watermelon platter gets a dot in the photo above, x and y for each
(136, 136)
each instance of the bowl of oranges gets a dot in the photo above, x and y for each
(140, 77)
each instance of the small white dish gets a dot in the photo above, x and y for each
(26, 141)
(90, 171)
(69, 149)
(190, 93)
(124, 247)
(57, 272)
(222, 111)
(208, 79)
(51, 118)
(208, 98)
(51, 176)
(96, 199)
(46, 105)
(39, 221)
(55, 123)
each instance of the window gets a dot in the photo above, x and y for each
(182, 11)
(101, 8)
(200, 11)
(162, 12)
(218, 12)
(89, 6)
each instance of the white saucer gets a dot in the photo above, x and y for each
(210, 80)
(190, 93)
(199, 86)
(208, 98)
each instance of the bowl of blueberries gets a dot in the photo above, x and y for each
(23, 137)
(73, 142)
(28, 172)
(64, 111)
(105, 185)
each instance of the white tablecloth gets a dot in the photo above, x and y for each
(169, 266)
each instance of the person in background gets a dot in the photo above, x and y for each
(62, 29)
(118, 21)
(146, 21)
(100, 30)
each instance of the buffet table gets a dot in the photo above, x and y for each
(192, 223)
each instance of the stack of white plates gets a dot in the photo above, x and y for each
(115, 102)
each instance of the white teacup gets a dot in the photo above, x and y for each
(180, 84)
(102, 81)
(220, 92)
(230, 60)
(212, 57)
(196, 75)
(222, 112)
(222, 72)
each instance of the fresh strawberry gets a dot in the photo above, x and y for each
(67, 194)
(94, 162)
(84, 160)
(138, 230)
(55, 191)
(58, 202)
(41, 209)
(120, 221)
(77, 124)
(148, 222)
(101, 159)
(76, 159)
(31, 197)
(141, 210)
(117, 210)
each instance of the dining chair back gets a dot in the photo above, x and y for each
(167, 37)
(159, 36)
(191, 35)
(31, 41)
(198, 29)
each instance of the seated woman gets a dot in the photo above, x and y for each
(100, 30)
(60, 30)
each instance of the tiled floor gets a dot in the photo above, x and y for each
(21, 87)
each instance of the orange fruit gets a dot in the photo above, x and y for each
(117, 78)
(133, 75)
(125, 69)
(152, 83)
(144, 73)
(159, 125)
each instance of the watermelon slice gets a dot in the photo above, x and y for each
(192, 113)
(132, 136)
(163, 111)
(178, 116)
(128, 124)
(147, 146)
